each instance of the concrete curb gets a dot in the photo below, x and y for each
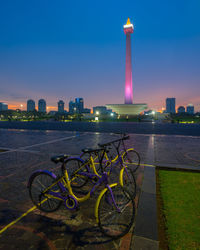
(145, 235)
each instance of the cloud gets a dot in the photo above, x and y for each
(10, 95)
(17, 96)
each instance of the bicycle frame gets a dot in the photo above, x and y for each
(85, 164)
(99, 199)
(116, 160)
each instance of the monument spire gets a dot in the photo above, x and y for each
(128, 29)
(128, 109)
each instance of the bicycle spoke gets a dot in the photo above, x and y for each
(41, 184)
(131, 159)
(43, 181)
(129, 181)
(114, 222)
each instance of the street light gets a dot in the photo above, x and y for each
(97, 112)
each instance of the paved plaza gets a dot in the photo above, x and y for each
(25, 151)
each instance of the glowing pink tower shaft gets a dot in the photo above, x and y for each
(128, 29)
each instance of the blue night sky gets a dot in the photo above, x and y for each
(66, 49)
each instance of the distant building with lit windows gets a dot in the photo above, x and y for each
(79, 105)
(72, 107)
(86, 111)
(181, 110)
(42, 106)
(3, 106)
(61, 106)
(30, 105)
(190, 109)
(100, 110)
(170, 105)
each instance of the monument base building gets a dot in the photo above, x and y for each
(127, 109)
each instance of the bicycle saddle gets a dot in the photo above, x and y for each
(59, 158)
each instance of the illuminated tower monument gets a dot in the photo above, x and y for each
(128, 30)
(128, 109)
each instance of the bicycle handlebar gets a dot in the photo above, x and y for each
(126, 137)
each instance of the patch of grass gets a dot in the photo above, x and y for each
(180, 194)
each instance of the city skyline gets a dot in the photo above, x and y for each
(169, 107)
(43, 55)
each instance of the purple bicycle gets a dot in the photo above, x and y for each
(114, 209)
(119, 168)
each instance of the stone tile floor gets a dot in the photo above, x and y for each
(31, 150)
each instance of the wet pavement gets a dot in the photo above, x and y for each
(30, 150)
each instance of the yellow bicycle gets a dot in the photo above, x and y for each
(127, 160)
(114, 209)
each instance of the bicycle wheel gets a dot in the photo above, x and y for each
(127, 180)
(75, 167)
(39, 182)
(131, 159)
(114, 223)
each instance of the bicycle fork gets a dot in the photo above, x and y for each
(108, 187)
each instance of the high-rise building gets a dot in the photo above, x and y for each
(72, 107)
(3, 106)
(181, 109)
(42, 106)
(190, 109)
(170, 105)
(61, 106)
(30, 105)
(79, 105)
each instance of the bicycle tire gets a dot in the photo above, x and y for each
(131, 159)
(39, 182)
(72, 166)
(127, 180)
(112, 223)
